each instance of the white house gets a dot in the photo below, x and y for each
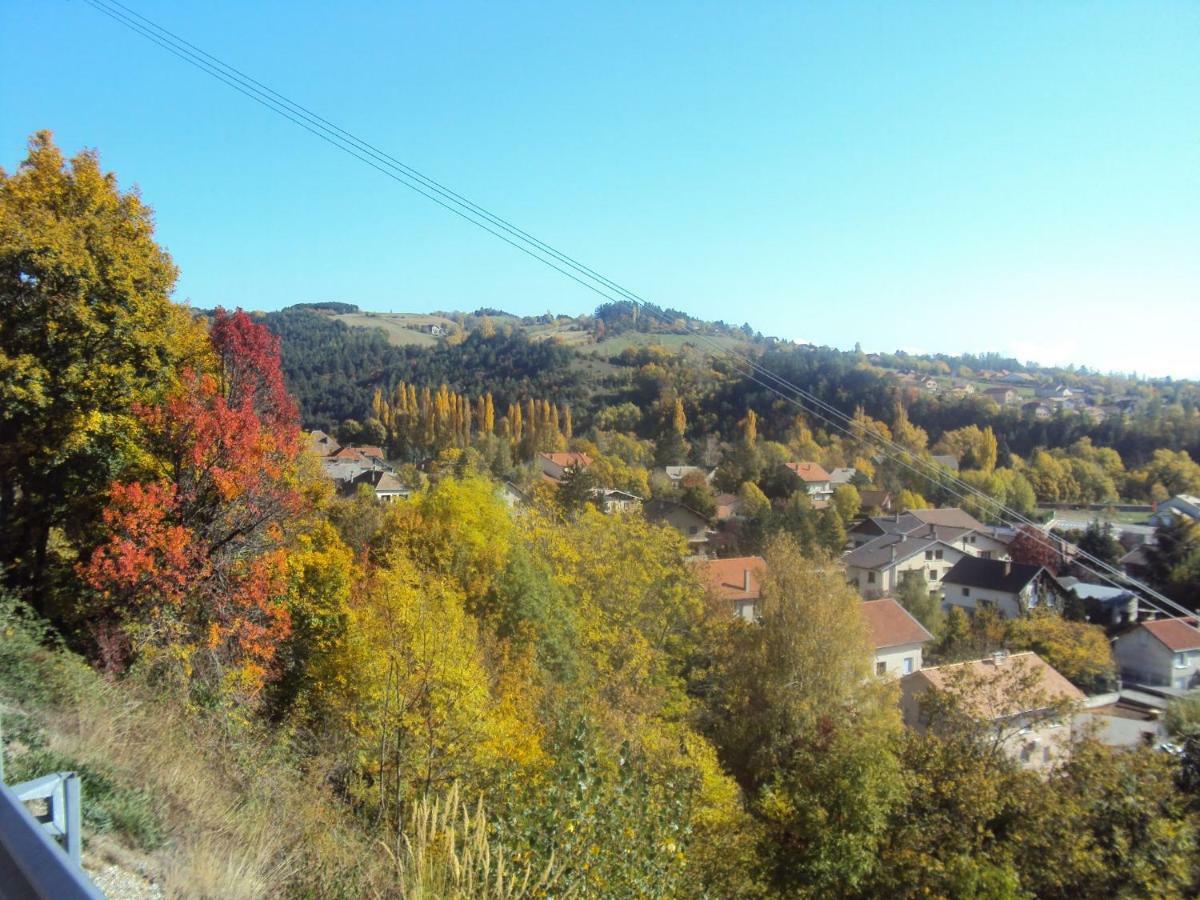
(611, 500)
(1012, 589)
(734, 584)
(896, 636)
(877, 567)
(1162, 653)
(814, 478)
(1027, 702)
(676, 474)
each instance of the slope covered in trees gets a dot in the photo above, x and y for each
(557, 677)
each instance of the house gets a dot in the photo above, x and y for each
(1036, 409)
(323, 444)
(1027, 703)
(735, 584)
(676, 474)
(512, 495)
(554, 465)
(686, 521)
(930, 384)
(843, 475)
(814, 478)
(973, 536)
(433, 328)
(1056, 392)
(729, 507)
(877, 567)
(1103, 604)
(875, 500)
(1012, 589)
(1185, 505)
(611, 500)
(1161, 653)
(388, 488)
(1002, 395)
(946, 461)
(1137, 561)
(371, 452)
(896, 636)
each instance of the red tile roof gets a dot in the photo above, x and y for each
(808, 471)
(892, 625)
(1175, 634)
(373, 452)
(347, 453)
(728, 578)
(568, 459)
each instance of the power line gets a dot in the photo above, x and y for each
(572, 268)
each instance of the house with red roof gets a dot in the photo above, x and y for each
(553, 465)
(896, 636)
(1161, 653)
(814, 478)
(735, 583)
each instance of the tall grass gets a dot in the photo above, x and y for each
(233, 815)
(445, 852)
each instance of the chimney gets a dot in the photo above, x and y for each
(746, 580)
(893, 549)
(999, 656)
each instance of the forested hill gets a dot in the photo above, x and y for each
(335, 358)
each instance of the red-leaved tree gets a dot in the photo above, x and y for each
(1035, 547)
(193, 567)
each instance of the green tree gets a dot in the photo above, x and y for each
(926, 607)
(847, 501)
(88, 334)
(806, 729)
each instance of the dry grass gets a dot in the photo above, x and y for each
(445, 852)
(238, 817)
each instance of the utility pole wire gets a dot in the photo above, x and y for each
(580, 273)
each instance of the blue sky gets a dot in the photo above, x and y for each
(1021, 177)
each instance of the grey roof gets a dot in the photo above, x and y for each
(879, 552)
(949, 460)
(992, 574)
(842, 475)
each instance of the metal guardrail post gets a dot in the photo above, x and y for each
(62, 792)
(32, 864)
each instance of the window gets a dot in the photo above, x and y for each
(933, 574)
(1181, 684)
(937, 554)
(908, 665)
(870, 578)
(693, 529)
(929, 554)
(880, 668)
(985, 554)
(1180, 660)
(966, 592)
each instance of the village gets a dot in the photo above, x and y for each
(959, 561)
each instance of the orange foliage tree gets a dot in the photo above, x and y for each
(192, 568)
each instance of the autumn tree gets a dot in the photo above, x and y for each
(192, 569)
(806, 729)
(88, 335)
(1034, 547)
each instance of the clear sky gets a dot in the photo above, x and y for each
(1012, 176)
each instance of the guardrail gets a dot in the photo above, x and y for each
(33, 862)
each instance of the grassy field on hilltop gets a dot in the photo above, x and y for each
(400, 328)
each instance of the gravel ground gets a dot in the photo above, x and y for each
(117, 883)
